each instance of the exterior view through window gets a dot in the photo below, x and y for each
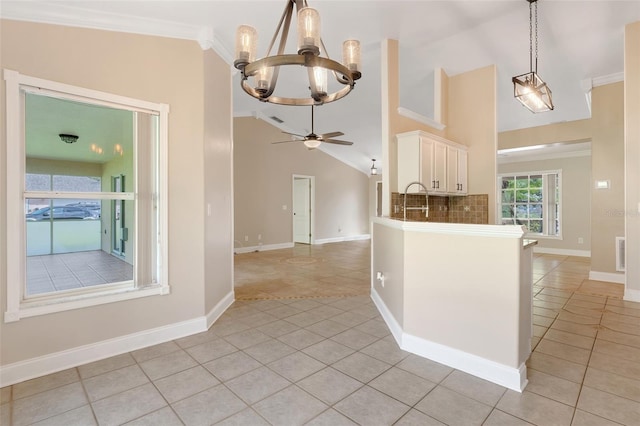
(532, 200)
(75, 237)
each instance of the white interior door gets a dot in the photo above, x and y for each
(302, 210)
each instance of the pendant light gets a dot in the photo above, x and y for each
(374, 171)
(529, 88)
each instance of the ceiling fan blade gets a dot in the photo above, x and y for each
(337, 142)
(330, 135)
(293, 134)
(296, 140)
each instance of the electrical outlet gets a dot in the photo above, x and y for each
(580, 240)
(259, 237)
(246, 238)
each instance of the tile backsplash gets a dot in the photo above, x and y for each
(455, 209)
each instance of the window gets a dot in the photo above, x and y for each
(88, 217)
(532, 199)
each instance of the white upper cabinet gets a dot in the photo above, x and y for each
(440, 165)
(457, 171)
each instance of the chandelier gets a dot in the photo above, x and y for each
(529, 88)
(264, 72)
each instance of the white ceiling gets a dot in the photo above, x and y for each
(578, 41)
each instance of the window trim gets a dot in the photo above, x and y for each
(545, 174)
(17, 306)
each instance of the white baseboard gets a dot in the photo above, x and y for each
(342, 239)
(389, 319)
(509, 377)
(632, 295)
(512, 378)
(562, 252)
(610, 277)
(219, 309)
(266, 247)
(51, 363)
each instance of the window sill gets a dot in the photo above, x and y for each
(69, 302)
(543, 237)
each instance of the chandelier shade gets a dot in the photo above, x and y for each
(259, 77)
(529, 88)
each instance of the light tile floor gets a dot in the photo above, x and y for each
(67, 271)
(332, 361)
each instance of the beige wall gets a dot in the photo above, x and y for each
(466, 124)
(388, 257)
(475, 127)
(440, 294)
(576, 199)
(570, 131)
(156, 69)
(632, 150)
(263, 175)
(605, 130)
(607, 159)
(392, 122)
(218, 183)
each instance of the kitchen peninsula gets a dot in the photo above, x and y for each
(458, 294)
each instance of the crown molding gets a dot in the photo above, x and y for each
(608, 79)
(542, 157)
(420, 118)
(57, 14)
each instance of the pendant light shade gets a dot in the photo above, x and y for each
(534, 93)
(308, 31)
(529, 88)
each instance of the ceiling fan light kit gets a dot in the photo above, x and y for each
(529, 88)
(264, 71)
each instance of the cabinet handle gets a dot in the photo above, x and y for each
(437, 184)
(433, 184)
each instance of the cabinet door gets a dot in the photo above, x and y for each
(453, 186)
(462, 172)
(439, 167)
(409, 167)
(427, 177)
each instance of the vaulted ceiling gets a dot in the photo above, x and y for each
(580, 43)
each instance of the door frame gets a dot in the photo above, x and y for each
(312, 206)
(120, 179)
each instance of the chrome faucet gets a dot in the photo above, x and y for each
(424, 209)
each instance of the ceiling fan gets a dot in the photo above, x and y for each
(312, 140)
